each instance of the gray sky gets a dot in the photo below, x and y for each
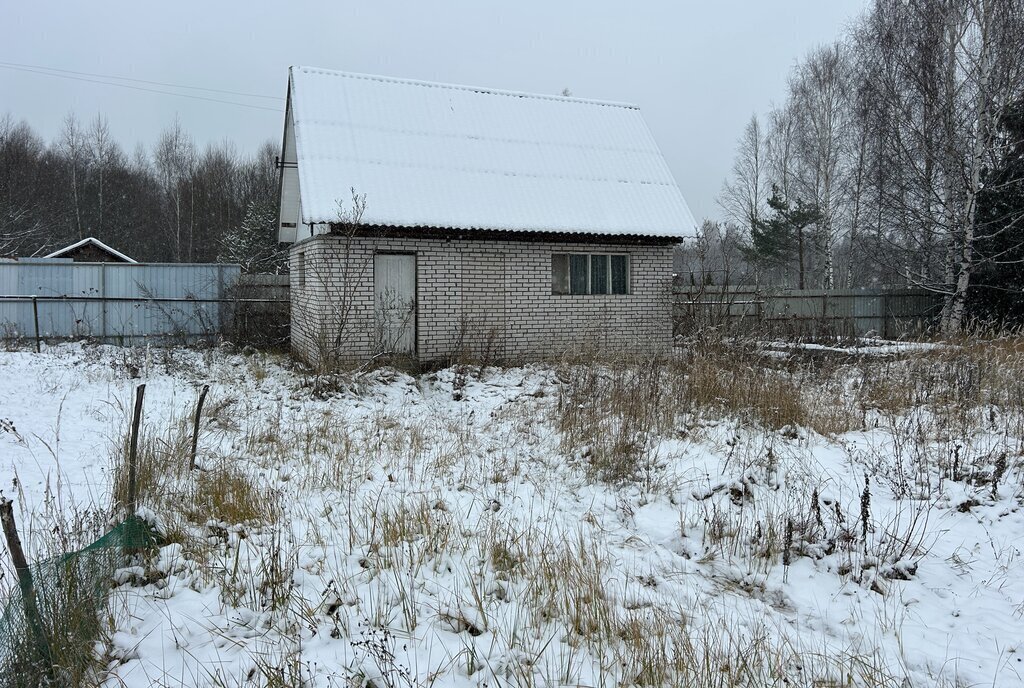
(697, 70)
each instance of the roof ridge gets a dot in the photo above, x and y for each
(463, 87)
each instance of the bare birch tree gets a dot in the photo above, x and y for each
(945, 74)
(744, 193)
(74, 147)
(780, 147)
(819, 91)
(103, 153)
(175, 160)
(989, 73)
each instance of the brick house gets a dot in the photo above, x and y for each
(433, 220)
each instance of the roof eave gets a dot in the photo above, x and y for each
(492, 234)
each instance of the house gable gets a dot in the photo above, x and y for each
(91, 250)
(289, 213)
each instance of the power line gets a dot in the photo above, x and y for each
(138, 88)
(139, 81)
(11, 66)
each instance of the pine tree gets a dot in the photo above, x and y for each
(995, 294)
(776, 239)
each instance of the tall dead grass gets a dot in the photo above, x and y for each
(227, 494)
(162, 459)
(610, 415)
(576, 592)
(223, 491)
(613, 413)
(736, 382)
(955, 382)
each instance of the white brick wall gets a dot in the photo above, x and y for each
(476, 297)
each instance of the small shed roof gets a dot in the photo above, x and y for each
(60, 253)
(440, 155)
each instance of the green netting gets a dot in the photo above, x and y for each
(53, 618)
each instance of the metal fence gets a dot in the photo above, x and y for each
(887, 312)
(262, 310)
(113, 302)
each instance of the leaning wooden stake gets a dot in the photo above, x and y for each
(28, 593)
(195, 427)
(133, 452)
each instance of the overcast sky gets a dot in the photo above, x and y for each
(697, 70)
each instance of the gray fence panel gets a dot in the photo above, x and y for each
(114, 320)
(846, 312)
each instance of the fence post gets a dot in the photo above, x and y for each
(35, 319)
(883, 306)
(28, 592)
(103, 302)
(133, 449)
(220, 302)
(195, 427)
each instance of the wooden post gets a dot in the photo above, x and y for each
(28, 593)
(103, 302)
(195, 427)
(133, 451)
(35, 319)
(883, 306)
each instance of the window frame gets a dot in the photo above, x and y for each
(564, 259)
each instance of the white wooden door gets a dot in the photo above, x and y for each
(394, 285)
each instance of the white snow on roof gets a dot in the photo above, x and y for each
(95, 242)
(439, 155)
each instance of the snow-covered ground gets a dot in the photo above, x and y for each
(446, 530)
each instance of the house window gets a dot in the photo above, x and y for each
(301, 269)
(589, 273)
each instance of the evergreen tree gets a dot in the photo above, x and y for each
(253, 244)
(996, 294)
(777, 239)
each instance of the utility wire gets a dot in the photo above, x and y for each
(15, 67)
(139, 81)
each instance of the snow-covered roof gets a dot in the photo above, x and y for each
(95, 242)
(439, 155)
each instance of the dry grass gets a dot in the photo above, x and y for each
(576, 592)
(229, 495)
(739, 384)
(570, 582)
(613, 413)
(162, 459)
(223, 491)
(427, 527)
(963, 385)
(609, 416)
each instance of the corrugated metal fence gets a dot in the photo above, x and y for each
(887, 312)
(113, 302)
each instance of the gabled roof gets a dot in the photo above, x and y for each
(440, 155)
(95, 242)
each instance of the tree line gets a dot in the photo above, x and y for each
(171, 203)
(896, 158)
